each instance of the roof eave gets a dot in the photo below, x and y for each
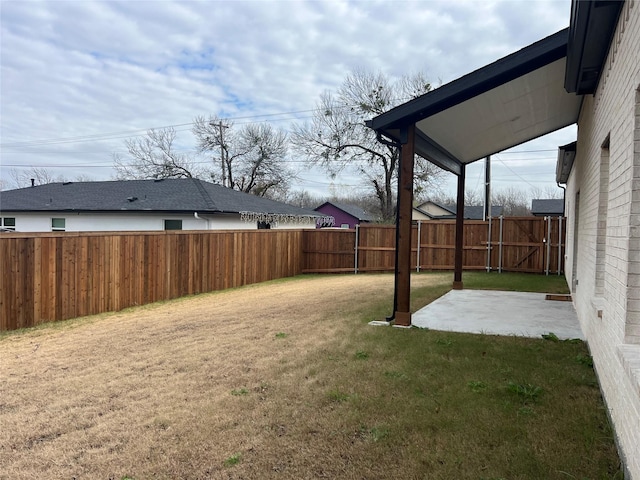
(526, 60)
(590, 35)
(566, 156)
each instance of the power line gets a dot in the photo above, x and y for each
(143, 131)
(291, 115)
(102, 163)
(525, 181)
(84, 138)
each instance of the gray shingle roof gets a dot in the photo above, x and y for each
(476, 212)
(450, 208)
(547, 206)
(168, 195)
(473, 212)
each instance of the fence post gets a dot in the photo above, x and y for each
(418, 248)
(559, 243)
(500, 247)
(355, 266)
(548, 263)
(489, 246)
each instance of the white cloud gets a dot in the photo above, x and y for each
(72, 69)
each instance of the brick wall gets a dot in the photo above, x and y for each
(607, 264)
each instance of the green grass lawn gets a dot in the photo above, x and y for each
(305, 389)
(475, 406)
(517, 282)
(469, 406)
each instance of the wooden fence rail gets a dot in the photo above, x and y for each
(55, 276)
(47, 277)
(516, 244)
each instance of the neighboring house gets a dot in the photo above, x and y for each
(419, 215)
(435, 211)
(588, 74)
(476, 212)
(142, 205)
(432, 210)
(548, 207)
(345, 216)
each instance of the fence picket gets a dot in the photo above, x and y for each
(54, 276)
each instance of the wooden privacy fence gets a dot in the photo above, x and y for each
(46, 277)
(516, 244)
(54, 276)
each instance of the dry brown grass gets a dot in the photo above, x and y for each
(175, 390)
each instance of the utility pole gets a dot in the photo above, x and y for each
(223, 163)
(487, 188)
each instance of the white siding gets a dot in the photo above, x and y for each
(433, 209)
(417, 215)
(102, 222)
(614, 338)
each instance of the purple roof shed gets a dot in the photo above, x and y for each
(346, 216)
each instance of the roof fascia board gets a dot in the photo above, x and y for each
(508, 68)
(451, 208)
(429, 149)
(426, 214)
(593, 24)
(577, 34)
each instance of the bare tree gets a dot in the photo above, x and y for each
(549, 192)
(154, 156)
(515, 202)
(301, 198)
(471, 198)
(337, 137)
(251, 158)
(35, 176)
(84, 178)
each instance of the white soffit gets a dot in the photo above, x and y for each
(520, 110)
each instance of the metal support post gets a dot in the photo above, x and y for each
(355, 266)
(548, 264)
(418, 248)
(559, 244)
(500, 247)
(489, 246)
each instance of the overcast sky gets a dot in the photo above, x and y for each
(78, 77)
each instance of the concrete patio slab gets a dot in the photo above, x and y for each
(500, 313)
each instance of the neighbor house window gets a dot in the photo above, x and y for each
(57, 224)
(173, 224)
(8, 223)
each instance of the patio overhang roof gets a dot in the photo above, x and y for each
(511, 101)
